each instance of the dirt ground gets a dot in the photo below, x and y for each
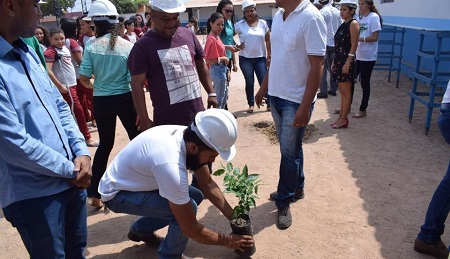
(367, 187)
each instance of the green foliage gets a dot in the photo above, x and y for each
(125, 6)
(243, 185)
(49, 7)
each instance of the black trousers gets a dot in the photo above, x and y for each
(106, 111)
(364, 69)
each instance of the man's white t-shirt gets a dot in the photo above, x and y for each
(446, 98)
(367, 51)
(154, 160)
(254, 38)
(333, 20)
(303, 33)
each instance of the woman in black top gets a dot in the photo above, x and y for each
(344, 65)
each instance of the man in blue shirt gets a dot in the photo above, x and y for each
(44, 161)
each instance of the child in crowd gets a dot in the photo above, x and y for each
(86, 30)
(217, 59)
(130, 35)
(41, 34)
(62, 73)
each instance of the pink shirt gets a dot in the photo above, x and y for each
(214, 47)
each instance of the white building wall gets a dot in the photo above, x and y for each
(437, 9)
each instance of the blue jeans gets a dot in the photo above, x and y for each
(156, 214)
(52, 226)
(218, 73)
(439, 207)
(250, 67)
(291, 166)
(328, 61)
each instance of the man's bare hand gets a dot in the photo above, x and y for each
(143, 124)
(212, 102)
(259, 97)
(83, 170)
(239, 241)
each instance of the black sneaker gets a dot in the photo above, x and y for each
(332, 93)
(438, 250)
(298, 195)
(153, 240)
(322, 95)
(284, 218)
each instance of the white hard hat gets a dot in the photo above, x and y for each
(103, 10)
(217, 128)
(248, 3)
(167, 6)
(351, 3)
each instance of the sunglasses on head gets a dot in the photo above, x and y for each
(228, 11)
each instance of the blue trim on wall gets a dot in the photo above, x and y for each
(418, 23)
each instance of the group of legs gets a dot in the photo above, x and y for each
(347, 89)
(250, 67)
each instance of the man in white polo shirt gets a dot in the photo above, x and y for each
(298, 40)
(332, 18)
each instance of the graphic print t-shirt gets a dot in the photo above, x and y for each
(173, 82)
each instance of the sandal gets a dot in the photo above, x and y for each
(250, 109)
(359, 114)
(96, 203)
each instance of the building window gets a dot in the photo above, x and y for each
(387, 1)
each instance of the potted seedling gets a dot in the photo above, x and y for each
(245, 187)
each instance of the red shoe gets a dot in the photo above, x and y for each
(344, 126)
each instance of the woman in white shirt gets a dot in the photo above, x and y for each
(366, 53)
(255, 56)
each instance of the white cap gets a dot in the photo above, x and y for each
(248, 3)
(42, 2)
(352, 3)
(167, 6)
(217, 128)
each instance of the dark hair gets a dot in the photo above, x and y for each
(46, 39)
(121, 19)
(190, 136)
(318, 5)
(128, 23)
(55, 30)
(91, 24)
(245, 18)
(214, 17)
(69, 28)
(134, 19)
(220, 6)
(374, 9)
(142, 21)
(104, 27)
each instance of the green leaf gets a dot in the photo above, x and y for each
(236, 171)
(229, 167)
(219, 172)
